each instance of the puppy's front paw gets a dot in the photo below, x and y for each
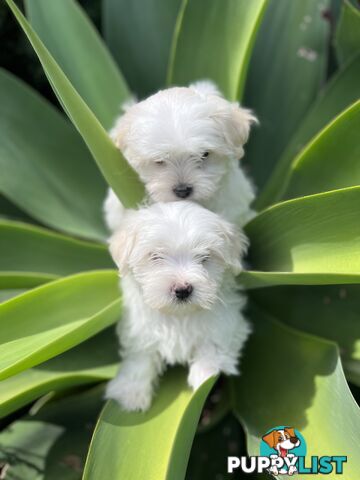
(199, 373)
(131, 395)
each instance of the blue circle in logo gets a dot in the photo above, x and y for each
(266, 448)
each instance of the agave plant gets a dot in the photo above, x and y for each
(297, 65)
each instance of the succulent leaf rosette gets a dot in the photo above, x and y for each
(297, 65)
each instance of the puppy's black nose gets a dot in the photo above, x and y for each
(182, 293)
(182, 190)
(294, 440)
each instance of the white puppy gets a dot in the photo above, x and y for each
(178, 263)
(186, 143)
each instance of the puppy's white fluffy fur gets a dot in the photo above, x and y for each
(160, 250)
(190, 137)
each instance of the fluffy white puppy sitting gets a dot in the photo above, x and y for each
(186, 143)
(181, 303)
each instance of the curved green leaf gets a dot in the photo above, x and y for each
(91, 361)
(214, 40)
(81, 54)
(331, 160)
(330, 312)
(347, 38)
(340, 92)
(318, 234)
(305, 388)
(27, 250)
(51, 444)
(257, 279)
(287, 69)
(117, 172)
(155, 444)
(129, 27)
(51, 319)
(43, 174)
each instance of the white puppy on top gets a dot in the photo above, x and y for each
(181, 303)
(186, 143)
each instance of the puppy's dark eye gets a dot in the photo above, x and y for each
(160, 163)
(203, 258)
(204, 155)
(155, 257)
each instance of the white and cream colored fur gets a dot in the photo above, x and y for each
(192, 137)
(160, 250)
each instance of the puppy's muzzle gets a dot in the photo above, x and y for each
(182, 190)
(183, 293)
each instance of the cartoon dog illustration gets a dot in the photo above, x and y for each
(282, 441)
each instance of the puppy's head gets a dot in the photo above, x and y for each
(181, 141)
(178, 253)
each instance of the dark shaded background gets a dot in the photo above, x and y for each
(17, 55)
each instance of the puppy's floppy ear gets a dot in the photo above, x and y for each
(236, 123)
(271, 438)
(241, 121)
(236, 245)
(120, 130)
(122, 242)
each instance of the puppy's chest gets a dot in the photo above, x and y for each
(177, 338)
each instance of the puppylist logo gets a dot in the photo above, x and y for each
(283, 452)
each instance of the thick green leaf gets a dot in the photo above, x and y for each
(318, 234)
(331, 160)
(287, 69)
(78, 49)
(331, 312)
(114, 167)
(43, 173)
(155, 444)
(297, 380)
(214, 40)
(347, 38)
(256, 279)
(51, 319)
(341, 92)
(91, 361)
(52, 443)
(130, 28)
(27, 250)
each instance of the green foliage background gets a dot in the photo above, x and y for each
(297, 65)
